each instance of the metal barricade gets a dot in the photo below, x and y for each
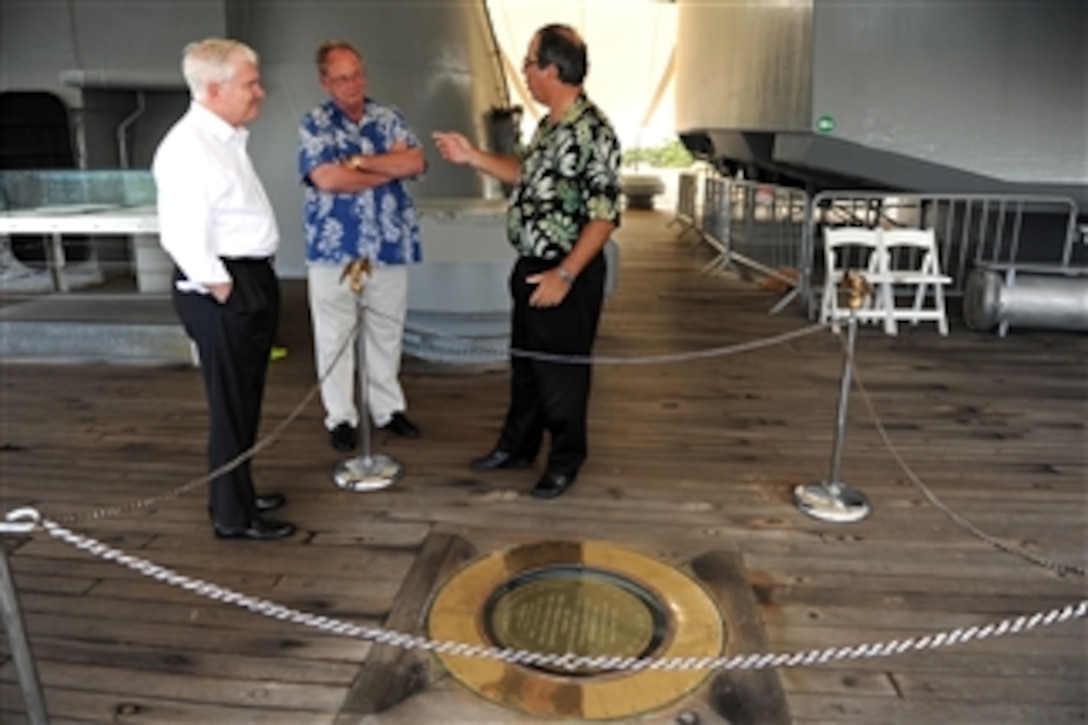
(687, 191)
(756, 228)
(714, 224)
(766, 226)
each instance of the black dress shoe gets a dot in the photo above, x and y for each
(553, 484)
(269, 502)
(259, 528)
(401, 426)
(343, 437)
(497, 459)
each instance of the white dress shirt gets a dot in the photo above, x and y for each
(210, 202)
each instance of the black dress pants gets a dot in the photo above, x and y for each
(546, 395)
(234, 340)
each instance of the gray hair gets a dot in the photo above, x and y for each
(212, 61)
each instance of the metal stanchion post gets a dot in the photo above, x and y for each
(20, 646)
(370, 471)
(833, 500)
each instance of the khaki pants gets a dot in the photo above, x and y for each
(334, 309)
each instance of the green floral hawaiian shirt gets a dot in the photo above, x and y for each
(569, 177)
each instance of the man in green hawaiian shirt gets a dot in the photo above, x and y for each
(564, 207)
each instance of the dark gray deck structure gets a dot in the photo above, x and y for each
(936, 97)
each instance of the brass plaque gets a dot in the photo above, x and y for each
(581, 611)
(584, 598)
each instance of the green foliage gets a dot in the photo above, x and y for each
(668, 155)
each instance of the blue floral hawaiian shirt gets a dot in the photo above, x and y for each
(379, 224)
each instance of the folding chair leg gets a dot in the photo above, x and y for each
(886, 295)
(919, 303)
(938, 298)
(829, 307)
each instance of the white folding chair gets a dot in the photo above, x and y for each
(908, 260)
(856, 249)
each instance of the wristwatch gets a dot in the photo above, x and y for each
(564, 274)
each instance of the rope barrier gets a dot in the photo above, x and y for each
(261, 444)
(267, 440)
(711, 352)
(27, 518)
(719, 351)
(1058, 568)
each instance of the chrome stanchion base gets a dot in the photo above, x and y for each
(367, 473)
(838, 503)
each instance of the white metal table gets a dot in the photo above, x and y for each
(140, 222)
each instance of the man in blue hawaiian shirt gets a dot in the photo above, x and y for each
(355, 158)
(564, 207)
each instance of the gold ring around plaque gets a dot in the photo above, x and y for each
(620, 603)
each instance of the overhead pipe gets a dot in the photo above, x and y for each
(122, 129)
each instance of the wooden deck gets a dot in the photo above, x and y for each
(688, 458)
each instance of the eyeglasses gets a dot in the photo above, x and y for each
(343, 80)
(527, 62)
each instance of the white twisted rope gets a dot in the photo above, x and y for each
(29, 518)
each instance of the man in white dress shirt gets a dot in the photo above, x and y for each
(218, 226)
